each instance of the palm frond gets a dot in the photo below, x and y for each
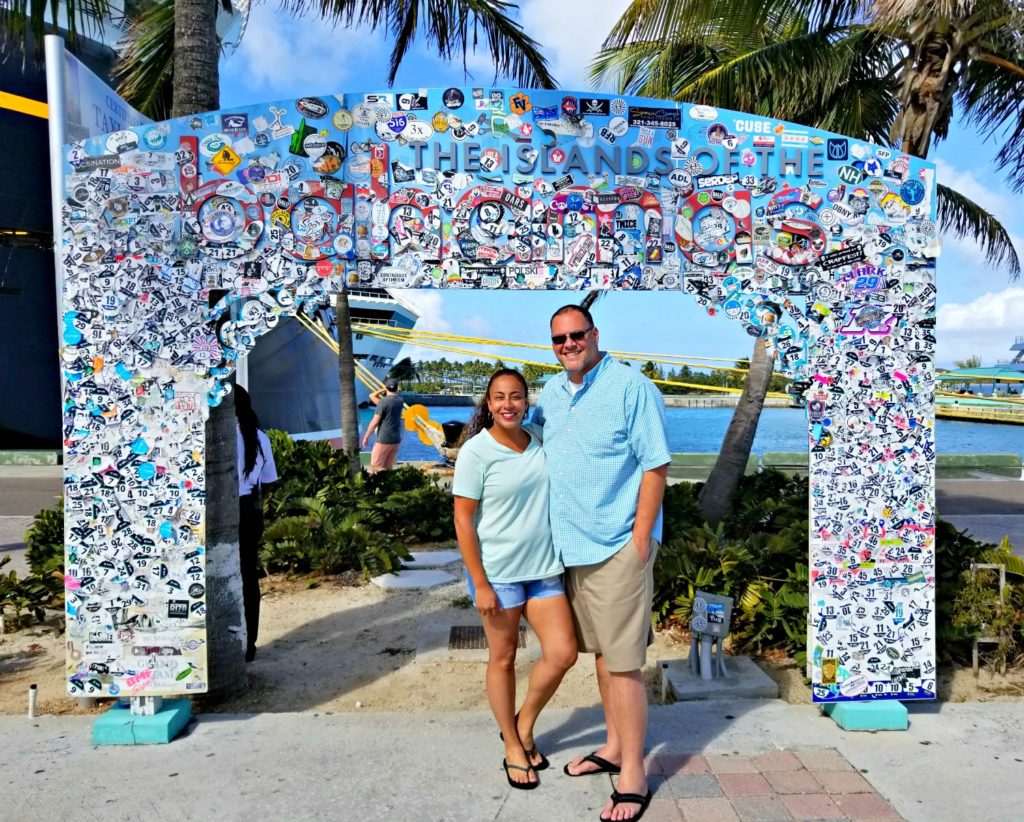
(453, 27)
(992, 98)
(24, 23)
(698, 20)
(966, 219)
(145, 68)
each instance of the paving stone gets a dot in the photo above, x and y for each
(822, 759)
(794, 781)
(726, 763)
(707, 810)
(744, 784)
(843, 782)
(431, 559)
(761, 809)
(777, 761)
(812, 806)
(669, 764)
(688, 785)
(406, 580)
(863, 806)
(663, 810)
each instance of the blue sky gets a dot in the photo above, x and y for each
(980, 310)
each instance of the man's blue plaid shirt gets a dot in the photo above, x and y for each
(598, 443)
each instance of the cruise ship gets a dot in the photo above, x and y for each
(292, 376)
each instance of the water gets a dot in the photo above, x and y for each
(701, 430)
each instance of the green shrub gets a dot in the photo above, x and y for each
(22, 600)
(322, 520)
(758, 555)
(44, 540)
(325, 539)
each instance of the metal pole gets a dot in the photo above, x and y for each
(54, 47)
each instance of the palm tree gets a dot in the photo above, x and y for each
(347, 383)
(158, 31)
(173, 53)
(889, 71)
(404, 370)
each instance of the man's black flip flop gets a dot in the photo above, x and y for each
(603, 766)
(630, 799)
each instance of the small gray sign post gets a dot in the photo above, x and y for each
(709, 624)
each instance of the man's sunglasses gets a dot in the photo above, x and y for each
(576, 336)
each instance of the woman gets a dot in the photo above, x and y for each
(256, 474)
(501, 520)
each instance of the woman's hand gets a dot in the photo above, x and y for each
(487, 601)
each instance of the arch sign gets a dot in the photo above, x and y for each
(822, 246)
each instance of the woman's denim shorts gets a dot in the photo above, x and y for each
(514, 594)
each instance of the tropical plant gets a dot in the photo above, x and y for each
(758, 555)
(327, 539)
(44, 540)
(890, 71)
(28, 598)
(973, 361)
(405, 371)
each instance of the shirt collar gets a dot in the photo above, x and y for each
(591, 375)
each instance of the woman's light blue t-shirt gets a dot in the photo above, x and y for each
(512, 515)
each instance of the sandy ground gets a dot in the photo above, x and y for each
(343, 645)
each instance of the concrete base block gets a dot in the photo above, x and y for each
(432, 559)
(119, 726)
(407, 580)
(745, 681)
(873, 715)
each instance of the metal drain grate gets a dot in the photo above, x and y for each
(473, 638)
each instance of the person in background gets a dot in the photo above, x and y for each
(501, 521)
(256, 476)
(604, 437)
(387, 422)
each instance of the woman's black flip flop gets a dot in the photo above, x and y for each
(522, 786)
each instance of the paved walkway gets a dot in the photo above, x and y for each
(755, 760)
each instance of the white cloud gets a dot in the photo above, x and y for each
(430, 303)
(477, 324)
(988, 194)
(283, 56)
(986, 326)
(570, 33)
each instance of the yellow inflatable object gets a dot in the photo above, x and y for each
(412, 413)
(425, 430)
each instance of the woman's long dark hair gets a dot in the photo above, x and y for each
(249, 424)
(482, 418)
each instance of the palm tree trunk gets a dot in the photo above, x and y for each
(196, 56)
(926, 93)
(347, 378)
(717, 494)
(225, 624)
(197, 88)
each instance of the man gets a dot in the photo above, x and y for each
(607, 456)
(387, 422)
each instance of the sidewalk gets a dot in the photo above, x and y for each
(756, 760)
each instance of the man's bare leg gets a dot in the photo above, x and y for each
(611, 750)
(629, 719)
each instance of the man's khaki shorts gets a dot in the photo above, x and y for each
(611, 607)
